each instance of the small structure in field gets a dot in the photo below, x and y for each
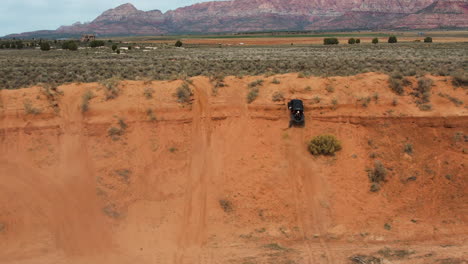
(88, 37)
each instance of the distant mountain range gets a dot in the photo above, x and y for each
(271, 15)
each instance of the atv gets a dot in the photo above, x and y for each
(296, 107)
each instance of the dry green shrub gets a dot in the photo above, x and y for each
(253, 90)
(116, 132)
(324, 145)
(277, 96)
(275, 81)
(183, 93)
(364, 101)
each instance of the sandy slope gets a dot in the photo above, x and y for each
(71, 194)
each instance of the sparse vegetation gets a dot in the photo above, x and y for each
(179, 43)
(275, 246)
(275, 81)
(352, 41)
(364, 101)
(375, 41)
(364, 259)
(394, 254)
(423, 91)
(324, 145)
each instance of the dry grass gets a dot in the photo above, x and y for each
(170, 63)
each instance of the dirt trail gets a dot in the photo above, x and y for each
(219, 180)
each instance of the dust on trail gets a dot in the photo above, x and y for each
(58, 172)
(193, 232)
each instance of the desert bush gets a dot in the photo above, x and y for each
(178, 43)
(183, 93)
(377, 175)
(116, 132)
(70, 45)
(252, 94)
(277, 96)
(96, 43)
(45, 46)
(256, 83)
(148, 92)
(330, 41)
(454, 100)
(151, 115)
(428, 40)
(460, 78)
(85, 101)
(226, 205)
(112, 87)
(375, 40)
(408, 148)
(330, 88)
(352, 41)
(392, 39)
(423, 90)
(425, 107)
(358, 41)
(324, 145)
(396, 85)
(114, 47)
(364, 101)
(275, 81)
(30, 109)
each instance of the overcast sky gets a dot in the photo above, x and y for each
(17, 16)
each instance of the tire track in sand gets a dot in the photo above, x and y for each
(307, 192)
(193, 231)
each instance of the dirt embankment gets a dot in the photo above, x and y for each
(145, 179)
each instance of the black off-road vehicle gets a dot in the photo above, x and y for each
(296, 107)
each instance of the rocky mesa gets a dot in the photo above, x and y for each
(263, 15)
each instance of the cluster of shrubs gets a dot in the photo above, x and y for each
(330, 41)
(15, 44)
(354, 41)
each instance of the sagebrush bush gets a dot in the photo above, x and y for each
(392, 39)
(428, 40)
(277, 96)
(85, 101)
(112, 87)
(30, 109)
(396, 85)
(377, 175)
(148, 92)
(324, 145)
(330, 41)
(183, 93)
